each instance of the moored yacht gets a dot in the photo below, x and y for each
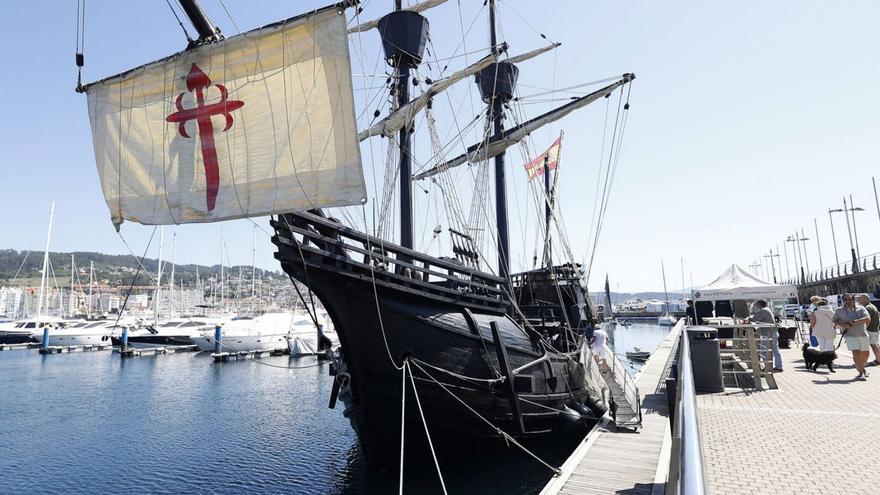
(170, 333)
(27, 330)
(304, 339)
(266, 332)
(78, 333)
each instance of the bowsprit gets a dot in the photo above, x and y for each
(197, 82)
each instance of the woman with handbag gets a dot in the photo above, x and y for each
(822, 323)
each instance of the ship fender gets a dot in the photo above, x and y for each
(595, 406)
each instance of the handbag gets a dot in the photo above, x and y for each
(814, 342)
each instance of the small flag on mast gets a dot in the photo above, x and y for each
(535, 167)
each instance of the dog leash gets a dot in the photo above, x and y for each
(841, 339)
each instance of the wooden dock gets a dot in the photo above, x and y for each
(155, 351)
(816, 433)
(19, 347)
(222, 357)
(611, 461)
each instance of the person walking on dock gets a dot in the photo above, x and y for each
(597, 344)
(764, 316)
(873, 328)
(822, 325)
(692, 315)
(853, 319)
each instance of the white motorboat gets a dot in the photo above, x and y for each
(78, 333)
(266, 332)
(27, 330)
(167, 334)
(303, 339)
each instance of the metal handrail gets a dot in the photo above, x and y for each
(686, 475)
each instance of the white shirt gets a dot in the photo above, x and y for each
(599, 337)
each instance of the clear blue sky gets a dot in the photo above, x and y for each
(748, 120)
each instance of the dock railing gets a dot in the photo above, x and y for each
(686, 476)
(630, 390)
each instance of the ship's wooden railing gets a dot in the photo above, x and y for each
(329, 238)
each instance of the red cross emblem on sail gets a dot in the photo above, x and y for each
(198, 82)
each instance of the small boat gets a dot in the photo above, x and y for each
(638, 355)
(667, 320)
(625, 323)
(266, 332)
(304, 339)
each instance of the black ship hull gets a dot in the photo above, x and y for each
(384, 318)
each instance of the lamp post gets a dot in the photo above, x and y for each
(818, 246)
(852, 248)
(876, 201)
(853, 209)
(754, 266)
(796, 251)
(804, 240)
(772, 263)
(833, 237)
(787, 272)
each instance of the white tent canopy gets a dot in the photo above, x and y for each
(737, 283)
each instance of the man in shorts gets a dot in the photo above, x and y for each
(873, 328)
(853, 320)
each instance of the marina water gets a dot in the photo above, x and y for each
(182, 423)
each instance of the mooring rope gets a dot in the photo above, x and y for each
(508, 438)
(425, 424)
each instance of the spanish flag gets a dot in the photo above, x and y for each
(535, 167)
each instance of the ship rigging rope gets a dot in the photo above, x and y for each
(402, 425)
(136, 273)
(613, 159)
(424, 423)
(179, 22)
(80, 42)
(507, 437)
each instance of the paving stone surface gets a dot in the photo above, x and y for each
(817, 433)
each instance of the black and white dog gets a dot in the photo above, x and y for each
(813, 358)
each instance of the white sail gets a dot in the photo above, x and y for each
(419, 7)
(259, 123)
(484, 151)
(405, 114)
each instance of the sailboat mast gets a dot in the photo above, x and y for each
(665, 292)
(497, 114)
(43, 277)
(157, 297)
(254, 271)
(171, 283)
(91, 282)
(222, 281)
(72, 302)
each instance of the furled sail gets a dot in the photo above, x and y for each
(495, 146)
(419, 7)
(259, 123)
(405, 114)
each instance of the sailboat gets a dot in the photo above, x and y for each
(491, 353)
(666, 319)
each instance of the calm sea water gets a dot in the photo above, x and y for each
(92, 422)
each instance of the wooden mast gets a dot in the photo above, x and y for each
(497, 115)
